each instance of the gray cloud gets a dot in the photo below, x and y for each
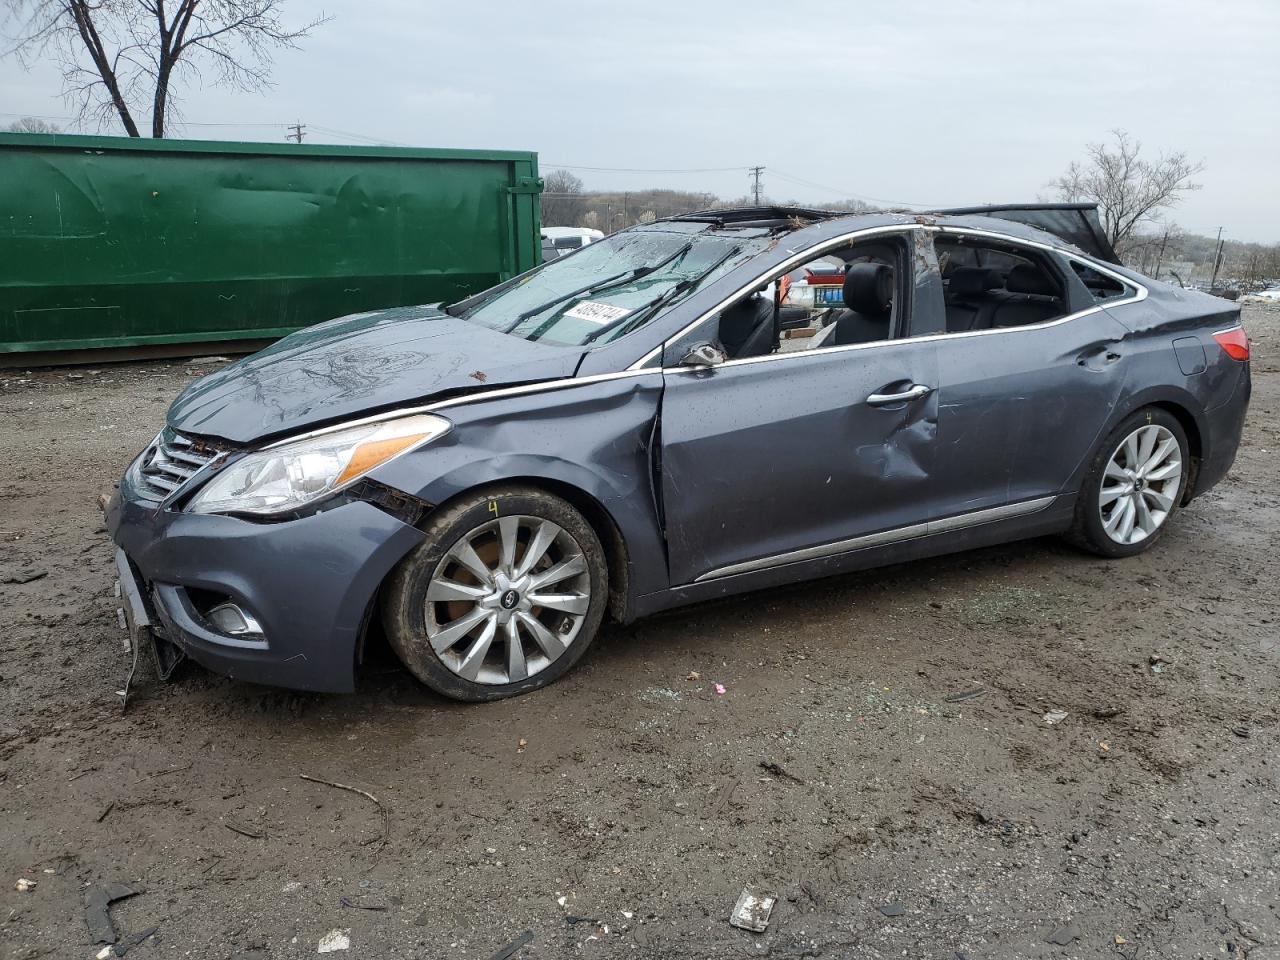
(935, 103)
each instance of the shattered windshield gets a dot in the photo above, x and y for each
(608, 288)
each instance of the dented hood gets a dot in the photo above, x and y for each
(359, 365)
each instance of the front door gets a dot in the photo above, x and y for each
(764, 457)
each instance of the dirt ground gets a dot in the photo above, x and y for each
(838, 771)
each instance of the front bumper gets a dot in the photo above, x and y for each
(309, 582)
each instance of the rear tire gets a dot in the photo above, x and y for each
(503, 597)
(1133, 486)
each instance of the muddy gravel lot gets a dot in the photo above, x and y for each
(879, 759)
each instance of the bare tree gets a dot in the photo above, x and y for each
(123, 58)
(33, 125)
(562, 201)
(1128, 189)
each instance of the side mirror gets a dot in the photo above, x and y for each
(704, 355)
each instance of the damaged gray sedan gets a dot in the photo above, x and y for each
(647, 423)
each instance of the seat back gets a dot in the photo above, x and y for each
(1032, 298)
(868, 297)
(747, 327)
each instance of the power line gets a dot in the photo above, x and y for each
(755, 175)
(297, 132)
(847, 193)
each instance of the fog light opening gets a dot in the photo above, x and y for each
(231, 619)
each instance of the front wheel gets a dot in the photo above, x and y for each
(1134, 485)
(503, 597)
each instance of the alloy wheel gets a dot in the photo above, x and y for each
(1141, 484)
(507, 599)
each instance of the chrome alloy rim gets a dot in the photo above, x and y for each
(507, 600)
(1140, 485)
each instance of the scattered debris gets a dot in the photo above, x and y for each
(1055, 716)
(1063, 935)
(719, 689)
(386, 816)
(1120, 941)
(479, 375)
(894, 909)
(24, 885)
(1243, 732)
(244, 830)
(23, 575)
(206, 361)
(120, 949)
(106, 810)
(97, 909)
(1157, 662)
(768, 766)
(963, 695)
(1104, 746)
(694, 675)
(562, 900)
(1107, 713)
(334, 941)
(348, 902)
(752, 911)
(521, 744)
(509, 951)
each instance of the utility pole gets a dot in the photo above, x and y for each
(297, 132)
(1217, 260)
(755, 174)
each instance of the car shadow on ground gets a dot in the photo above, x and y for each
(384, 681)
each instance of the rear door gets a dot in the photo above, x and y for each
(767, 456)
(1022, 405)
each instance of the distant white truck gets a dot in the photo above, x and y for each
(567, 239)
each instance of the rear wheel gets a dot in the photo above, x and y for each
(1133, 486)
(505, 595)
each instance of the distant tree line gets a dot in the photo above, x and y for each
(1133, 193)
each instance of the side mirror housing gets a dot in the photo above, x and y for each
(704, 355)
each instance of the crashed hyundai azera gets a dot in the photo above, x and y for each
(661, 418)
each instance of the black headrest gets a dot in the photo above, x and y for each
(973, 280)
(868, 288)
(1024, 278)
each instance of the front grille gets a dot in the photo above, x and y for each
(171, 461)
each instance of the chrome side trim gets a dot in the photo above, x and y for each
(1002, 512)
(912, 532)
(927, 337)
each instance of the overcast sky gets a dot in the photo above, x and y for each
(947, 102)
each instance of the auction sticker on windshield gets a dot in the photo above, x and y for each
(595, 312)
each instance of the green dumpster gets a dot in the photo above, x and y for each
(111, 242)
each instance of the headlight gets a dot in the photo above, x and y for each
(297, 472)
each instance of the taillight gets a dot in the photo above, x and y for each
(1234, 342)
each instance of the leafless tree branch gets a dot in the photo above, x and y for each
(1128, 189)
(125, 58)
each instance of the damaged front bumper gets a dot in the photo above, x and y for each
(307, 584)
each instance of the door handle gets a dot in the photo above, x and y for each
(914, 392)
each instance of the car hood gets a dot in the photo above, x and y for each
(359, 365)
